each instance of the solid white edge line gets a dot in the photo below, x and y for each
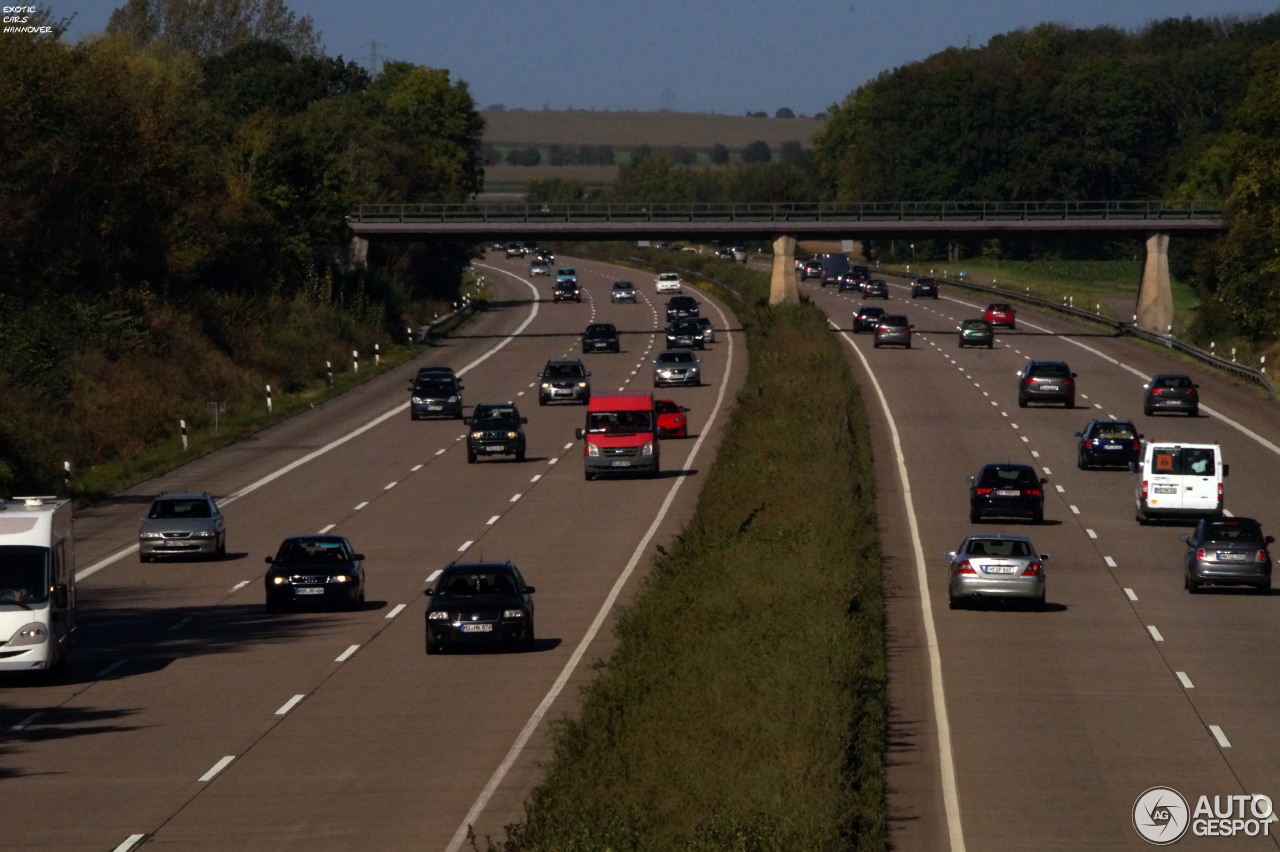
(396, 610)
(26, 721)
(571, 665)
(1155, 634)
(217, 767)
(946, 761)
(1186, 681)
(129, 842)
(289, 705)
(346, 655)
(1223, 742)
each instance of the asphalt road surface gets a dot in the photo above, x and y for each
(1055, 722)
(192, 719)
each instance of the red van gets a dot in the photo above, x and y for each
(621, 435)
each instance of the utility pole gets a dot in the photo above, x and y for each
(373, 57)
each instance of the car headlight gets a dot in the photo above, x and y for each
(582, 384)
(513, 434)
(277, 581)
(593, 450)
(34, 633)
(203, 534)
(647, 449)
(340, 578)
(438, 615)
(476, 436)
(452, 400)
(150, 535)
(513, 613)
(693, 369)
(546, 385)
(417, 400)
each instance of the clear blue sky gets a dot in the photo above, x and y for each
(724, 56)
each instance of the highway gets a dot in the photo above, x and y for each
(191, 719)
(1054, 723)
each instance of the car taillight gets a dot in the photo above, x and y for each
(1191, 391)
(1137, 446)
(1066, 381)
(982, 491)
(1200, 554)
(1029, 381)
(1033, 492)
(1261, 557)
(965, 568)
(1032, 570)
(1144, 489)
(1156, 391)
(1219, 492)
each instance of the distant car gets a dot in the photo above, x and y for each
(666, 245)
(601, 337)
(1227, 552)
(564, 380)
(539, 267)
(976, 332)
(622, 291)
(1046, 381)
(514, 250)
(833, 266)
(739, 254)
(708, 329)
(182, 524)
(892, 330)
(566, 291)
(479, 603)
(436, 393)
(671, 417)
(811, 269)
(668, 282)
(849, 281)
(724, 253)
(684, 334)
(680, 307)
(545, 254)
(1108, 443)
(496, 429)
(1006, 491)
(1170, 392)
(876, 288)
(315, 569)
(924, 288)
(996, 566)
(676, 367)
(867, 317)
(1000, 315)
(566, 273)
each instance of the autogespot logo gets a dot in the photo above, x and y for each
(1160, 816)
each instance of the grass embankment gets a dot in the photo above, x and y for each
(744, 707)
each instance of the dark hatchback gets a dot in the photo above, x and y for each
(685, 334)
(924, 288)
(496, 429)
(1108, 443)
(435, 394)
(875, 289)
(976, 332)
(1006, 491)
(566, 291)
(1227, 552)
(481, 603)
(1167, 392)
(866, 318)
(601, 337)
(682, 307)
(315, 569)
(1046, 381)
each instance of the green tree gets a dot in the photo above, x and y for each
(212, 27)
(757, 152)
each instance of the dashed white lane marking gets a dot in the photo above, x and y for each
(1035, 454)
(1047, 472)
(1075, 510)
(492, 520)
(1129, 593)
(1223, 742)
(1155, 634)
(360, 506)
(289, 705)
(415, 468)
(442, 452)
(396, 610)
(1061, 490)
(1186, 681)
(434, 574)
(129, 842)
(554, 460)
(389, 486)
(515, 498)
(1026, 440)
(567, 446)
(217, 767)
(1111, 563)
(326, 528)
(238, 586)
(346, 655)
(465, 545)
(536, 477)
(26, 721)
(111, 668)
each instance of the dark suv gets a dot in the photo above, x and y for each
(1006, 491)
(435, 392)
(496, 430)
(566, 291)
(1108, 443)
(563, 381)
(924, 288)
(1167, 392)
(601, 337)
(679, 307)
(685, 334)
(1046, 381)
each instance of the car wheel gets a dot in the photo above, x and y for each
(908, 344)
(1071, 402)
(1037, 518)
(974, 516)
(1080, 462)
(412, 416)
(1022, 403)
(1146, 409)
(1140, 518)
(222, 548)
(991, 344)
(1195, 412)
(1192, 585)
(142, 557)
(542, 400)
(953, 602)
(528, 637)
(471, 457)
(433, 648)
(1038, 604)
(875, 344)
(273, 605)
(520, 455)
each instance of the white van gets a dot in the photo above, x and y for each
(1177, 480)
(37, 583)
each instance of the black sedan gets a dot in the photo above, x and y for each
(1006, 491)
(867, 318)
(485, 603)
(315, 569)
(601, 337)
(1227, 552)
(1108, 443)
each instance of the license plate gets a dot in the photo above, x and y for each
(1048, 387)
(1006, 492)
(476, 628)
(310, 590)
(1000, 569)
(435, 408)
(622, 463)
(1232, 557)
(1113, 447)
(495, 448)
(1166, 489)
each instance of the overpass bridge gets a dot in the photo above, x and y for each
(784, 224)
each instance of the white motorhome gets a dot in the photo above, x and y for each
(1179, 480)
(37, 583)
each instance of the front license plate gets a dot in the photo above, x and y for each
(623, 463)
(476, 628)
(1166, 489)
(1006, 492)
(435, 408)
(310, 590)
(1000, 569)
(495, 448)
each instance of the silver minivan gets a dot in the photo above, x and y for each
(1177, 480)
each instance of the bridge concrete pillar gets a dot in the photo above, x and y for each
(1155, 296)
(359, 253)
(783, 286)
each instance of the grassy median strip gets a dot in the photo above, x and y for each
(745, 705)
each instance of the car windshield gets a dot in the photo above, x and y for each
(1184, 461)
(495, 414)
(309, 550)
(1114, 431)
(563, 371)
(600, 329)
(615, 422)
(977, 325)
(684, 327)
(24, 574)
(1002, 477)
(666, 406)
(999, 307)
(433, 388)
(172, 509)
(999, 547)
(622, 285)
(473, 583)
(677, 357)
(1178, 382)
(1051, 371)
(894, 320)
(1234, 531)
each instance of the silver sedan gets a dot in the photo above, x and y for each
(995, 565)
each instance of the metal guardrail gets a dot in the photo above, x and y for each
(799, 212)
(1253, 375)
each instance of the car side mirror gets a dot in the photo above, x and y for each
(1079, 434)
(61, 597)
(1073, 375)
(1133, 467)
(1269, 539)
(970, 479)
(528, 590)
(662, 431)
(270, 559)
(1044, 481)
(1184, 537)
(524, 419)
(950, 554)
(1044, 557)
(579, 433)
(358, 557)
(429, 592)
(1141, 437)
(1226, 470)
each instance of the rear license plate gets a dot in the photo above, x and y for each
(476, 628)
(310, 590)
(1000, 569)
(1113, 447)
(1049, 387)
(1166, 489)
(622, 463)
(1232, 557)
(1008, 492)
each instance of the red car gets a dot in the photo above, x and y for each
(671, 417)
(1000, 314)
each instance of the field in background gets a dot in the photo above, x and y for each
(625, 130)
